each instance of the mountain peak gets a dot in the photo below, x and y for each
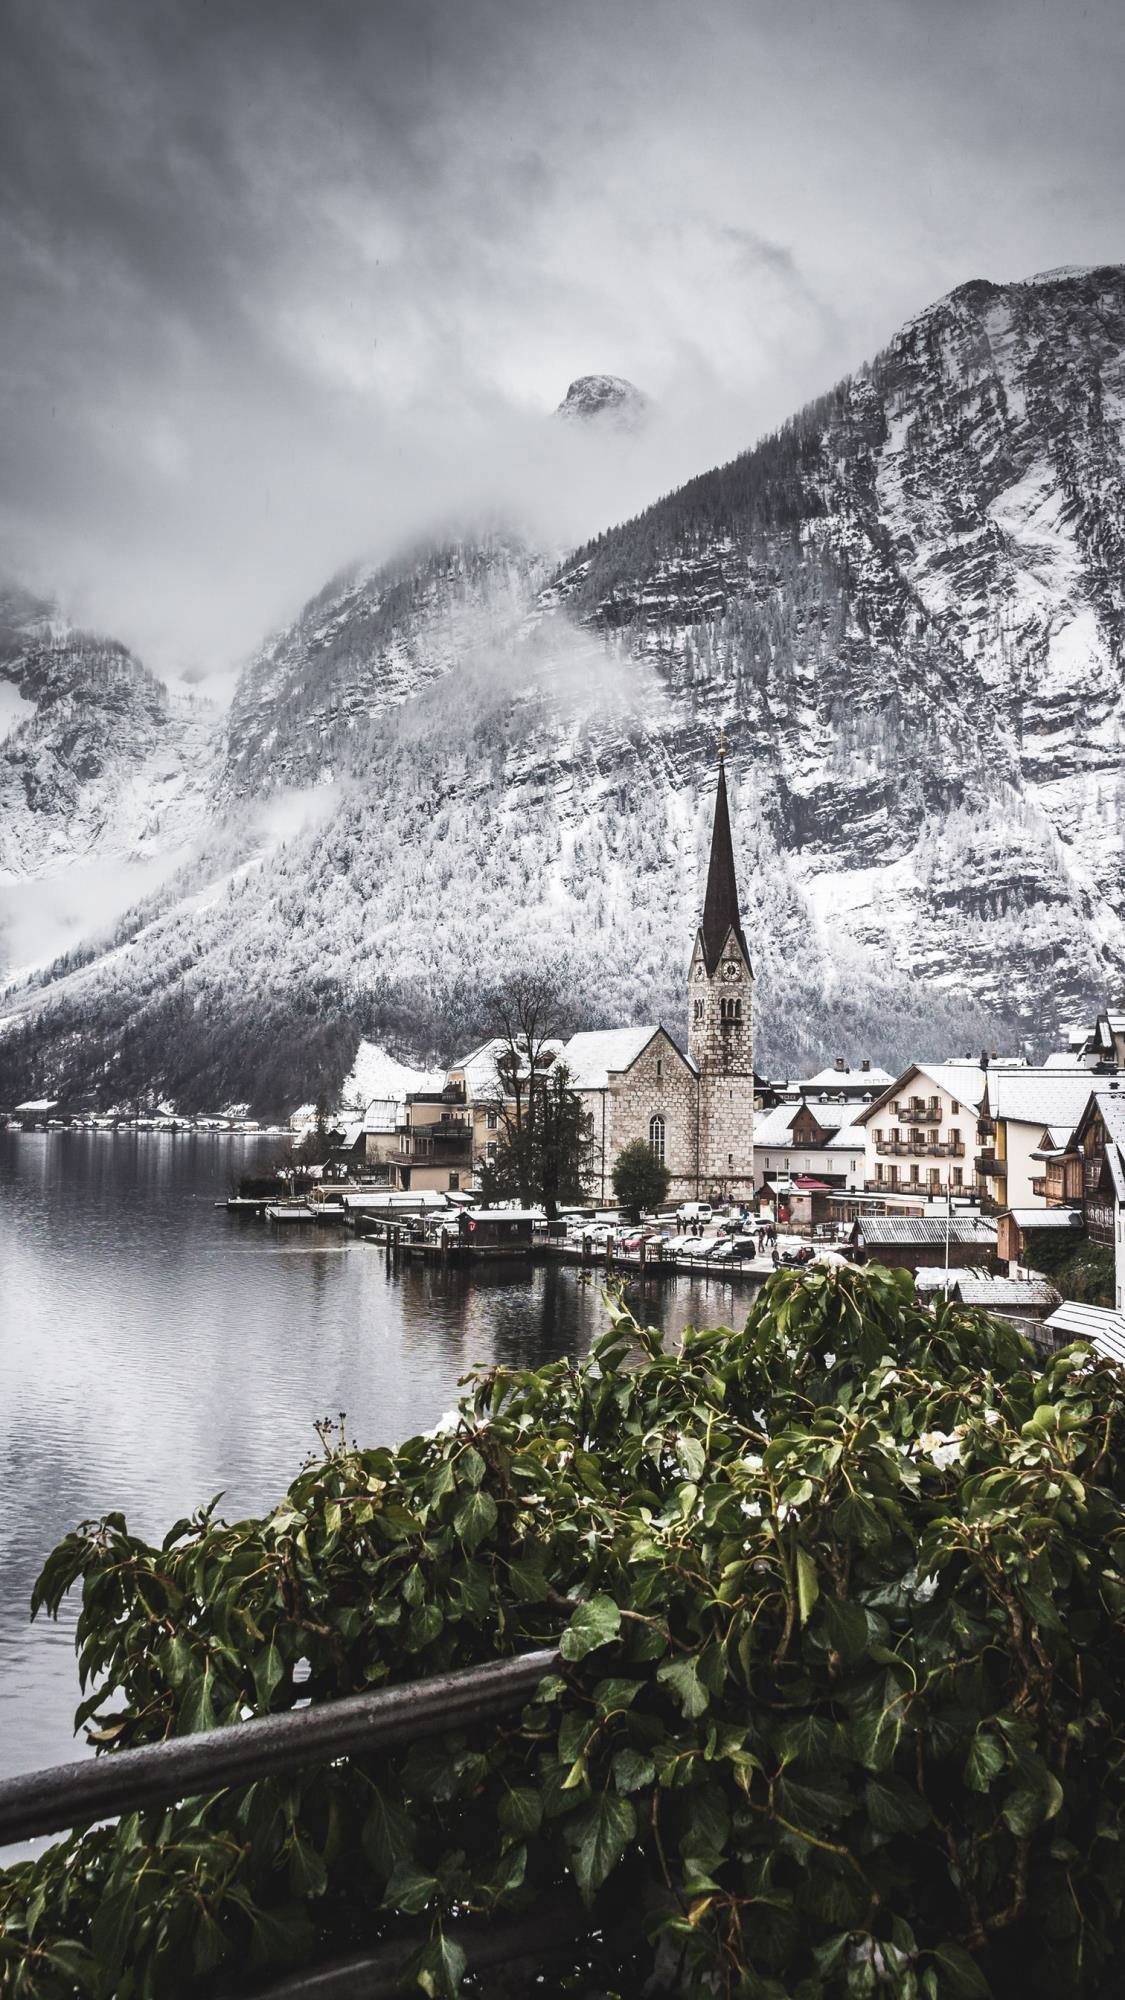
(605, 398)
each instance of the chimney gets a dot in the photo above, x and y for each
(866, 1063)
(840, 1063)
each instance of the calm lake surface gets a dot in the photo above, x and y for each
(154, 1351)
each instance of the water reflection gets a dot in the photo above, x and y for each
(154, 1352)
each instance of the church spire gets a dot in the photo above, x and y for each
(720, 907)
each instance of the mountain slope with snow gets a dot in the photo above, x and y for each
(907, 611)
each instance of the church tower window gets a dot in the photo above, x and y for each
(656, 1137)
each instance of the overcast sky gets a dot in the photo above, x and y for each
(282, 281)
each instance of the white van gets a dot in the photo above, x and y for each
(694, 1211)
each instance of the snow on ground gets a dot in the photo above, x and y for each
(375, 1074)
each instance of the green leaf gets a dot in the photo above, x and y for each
(845, 1624)
(475, 1519)
(388, 1833)
(470, 1467)
(632, 1770)
(441, 1968)
(1030, 1806)
(198, 1711)
(520, 1812)
(268, 1670)
(808, 1584)
(682, 1677)
(893, 1806)
(423, 1627)
(598, 1840)
(985, 1761)
(529, 1580)
(594, 1624)
(960, 1975)
(614, 1694)
(410, 1889)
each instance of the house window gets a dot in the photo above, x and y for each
(656, 1137)
(730, 1010)
(932, 1176)
(914, 1176)
(490, 1150)
(454, 1180)
(490, 1120)
(878, 1170)
(957, 1177)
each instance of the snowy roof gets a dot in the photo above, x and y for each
(479, 1067)
(592, 1058)
(475, 1215)
(988, 1291)
(774, 1128)
(1046, 1218)
(1105, 1330)
(964, 1082)
(1111, 1106)
(934, 1277)
(382, 1114)
(1061, 1059)
(38, 1104)
(1039, 1096)
(927, 1229)
(849, 1138)
(837, 1079)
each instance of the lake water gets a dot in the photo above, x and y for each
(154, 1351)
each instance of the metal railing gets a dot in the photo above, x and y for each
(184, 1767)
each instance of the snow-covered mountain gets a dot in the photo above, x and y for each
(907, 608)
(104, 774)
(605, 399)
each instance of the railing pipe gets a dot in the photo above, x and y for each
(159, 1774)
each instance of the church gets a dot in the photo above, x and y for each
(695, 1109)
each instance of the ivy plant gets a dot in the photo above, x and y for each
(840, 1707)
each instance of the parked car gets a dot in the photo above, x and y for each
(733, 1248)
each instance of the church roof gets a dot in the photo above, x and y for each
(720, 905)
(591, 1058)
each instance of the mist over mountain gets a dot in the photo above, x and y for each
(907, 609)
(608, 399)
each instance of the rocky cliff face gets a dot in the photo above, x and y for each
(604, 399)
(97, 759)
(906, 609)
(372, 640)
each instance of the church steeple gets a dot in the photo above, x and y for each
(720, 905)
(720, 1019)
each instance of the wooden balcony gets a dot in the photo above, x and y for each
(917, 1113)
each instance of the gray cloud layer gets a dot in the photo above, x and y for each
(281, 280)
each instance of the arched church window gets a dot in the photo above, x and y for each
(699, 1010)
(656, 1137)
(730, 1010)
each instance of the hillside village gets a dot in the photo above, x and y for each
(981, 1173)
(1009, 1174)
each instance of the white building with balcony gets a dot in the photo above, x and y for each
(920, 1134)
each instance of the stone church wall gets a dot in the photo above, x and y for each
(672, 1095)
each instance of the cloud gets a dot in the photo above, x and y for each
(282, 282)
